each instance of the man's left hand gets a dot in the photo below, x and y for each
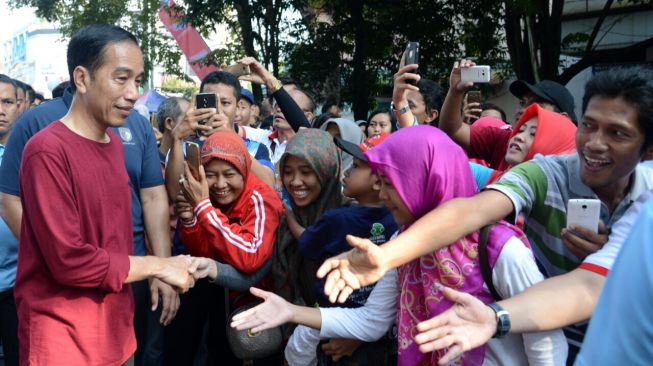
(169, 300)
(582, 242)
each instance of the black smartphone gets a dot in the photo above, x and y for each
(474, 96)
(412, 57)
(205, 100)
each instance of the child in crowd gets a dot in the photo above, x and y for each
(434, 181)
(348, 131)
(326, 238)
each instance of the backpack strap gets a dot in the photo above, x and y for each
(484, 261)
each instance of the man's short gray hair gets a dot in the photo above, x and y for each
(169, 108)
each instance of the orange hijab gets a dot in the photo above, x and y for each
(555, 135)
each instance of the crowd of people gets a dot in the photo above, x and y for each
(434, 232)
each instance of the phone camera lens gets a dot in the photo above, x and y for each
(584, 207)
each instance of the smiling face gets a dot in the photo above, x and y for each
(609, 141)
(300, 180)
(393, 202)
(519, 144)
(380, 122)
(226, 183)
(111, 91)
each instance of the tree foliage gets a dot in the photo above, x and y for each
(140, 18)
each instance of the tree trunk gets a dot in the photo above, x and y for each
(244, 12)
(361, 86)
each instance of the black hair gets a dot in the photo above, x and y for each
(59, 89)
(393, 118)
(287, 80)
(168, 108)
(7, 80)
(311, 100)
(39, 96)
(485, 106)
(634, 85)
(320, 119)
(433, 95)
(88, 46)
(20, 85)
(330, 102)
(222, 77)
(29, 93)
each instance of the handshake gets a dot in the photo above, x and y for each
(182, 271)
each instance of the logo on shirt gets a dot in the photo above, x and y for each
(377, 233)
(125, 134)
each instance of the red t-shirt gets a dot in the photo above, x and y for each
(73, 259)
(489, 144)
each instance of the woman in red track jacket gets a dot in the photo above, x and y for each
(235, 215)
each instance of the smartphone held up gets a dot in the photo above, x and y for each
(476, 74)
(412, 57)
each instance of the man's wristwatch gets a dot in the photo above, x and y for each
(400, 111)
(503, 320)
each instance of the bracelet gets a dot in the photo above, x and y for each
(401, 111)
(276, 86)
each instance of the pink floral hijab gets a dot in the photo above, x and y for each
(427, 169)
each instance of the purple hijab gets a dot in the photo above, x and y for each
(427, 169)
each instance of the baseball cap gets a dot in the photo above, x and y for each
(358, 150)
(548, 90)
(245, 93)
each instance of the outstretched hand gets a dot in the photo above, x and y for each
(466, 325)
(273, 312)
(349, 271)
(177, 272)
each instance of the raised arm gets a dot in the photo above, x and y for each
(260, 75)
(451, 119)
(366, 263)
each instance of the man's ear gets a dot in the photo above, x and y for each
(309, 116)
(81, 78)
(169, 124)
(432, 115)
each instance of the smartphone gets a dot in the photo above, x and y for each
(476, 74)
(238, 70)
(205, 100)
(193, 159)
(474, 96)
(412, 57)
(584, 213)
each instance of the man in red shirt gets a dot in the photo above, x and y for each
(76, 244)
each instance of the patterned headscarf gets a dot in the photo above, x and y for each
(427, 169)
(316, 147)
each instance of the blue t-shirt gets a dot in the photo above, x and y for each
(141, 155)
(326, 238)
(621, 329)
(8, 251)
(481, 174)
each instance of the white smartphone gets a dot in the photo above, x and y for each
(476, 74)
(584, 213)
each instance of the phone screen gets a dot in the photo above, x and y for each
(205, 100)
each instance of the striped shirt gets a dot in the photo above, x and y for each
(540, 189)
